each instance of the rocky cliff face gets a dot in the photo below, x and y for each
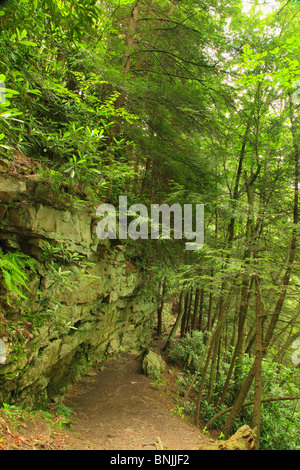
(85, 301)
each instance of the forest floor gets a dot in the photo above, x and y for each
(114, 407)
(119, 408)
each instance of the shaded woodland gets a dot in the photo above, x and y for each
(189, 102)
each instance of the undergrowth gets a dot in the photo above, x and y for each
(22, 429)
(280, 420)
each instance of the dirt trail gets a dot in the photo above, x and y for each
(117, 407)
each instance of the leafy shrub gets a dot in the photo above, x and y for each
(279, 419)
(188, 350)
(13, 268)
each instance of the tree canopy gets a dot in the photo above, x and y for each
(189, 102)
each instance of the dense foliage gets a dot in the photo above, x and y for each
(280, 419)
(188, 102)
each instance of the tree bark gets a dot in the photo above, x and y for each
(284, 283)
(207, 356)
(196, 305)
(177, 322)
(161, 306)
(258, 364)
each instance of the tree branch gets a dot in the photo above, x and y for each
(247, 403)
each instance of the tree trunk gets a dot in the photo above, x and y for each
(161, 306)
(258, 364)
(177, 322)
(284, 283)
(213, 368)
(210, 305)
(245, 294)
(207, 355)
(187, 312)
(200, 318)
(196, 305)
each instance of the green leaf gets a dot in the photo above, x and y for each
(28, 43)
(23, 34)
(35, 92)
(11, 92)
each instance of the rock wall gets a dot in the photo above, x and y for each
(85, 302)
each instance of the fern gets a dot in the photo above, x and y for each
(13, 270)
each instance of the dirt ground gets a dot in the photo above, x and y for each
(117, 407)
(113, 407)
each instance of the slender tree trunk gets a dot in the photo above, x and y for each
(210, 306)
(207, 355)
(245, 295)
(250, 343)
(130, 46)
(161, 306)
(177, 322)
(145, 181)
(238, 177)
(213, 368)
(220, 356)
(234, 326)
(196, 305)
(278, 307)
(200, 318)
(208, 347)
(209, 312)
(130, 43)
(183, 320)
(187, 312)
(258, 365)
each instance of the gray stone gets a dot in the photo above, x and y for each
(99, 316)
(12, 189)
(153, 365)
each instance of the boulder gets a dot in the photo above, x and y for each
(153, 365)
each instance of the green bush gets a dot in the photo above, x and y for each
(13, 271)
(279, 419)
(188, 350)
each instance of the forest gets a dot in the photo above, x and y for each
(176, 102)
